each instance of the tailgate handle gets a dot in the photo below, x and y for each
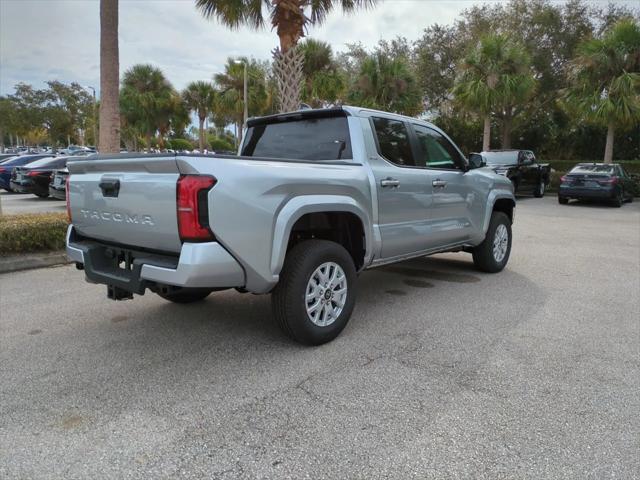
(110, 187)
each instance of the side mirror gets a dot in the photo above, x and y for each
(476, 161)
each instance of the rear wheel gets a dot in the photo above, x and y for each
(563, 200)
(619, 200)
(185, 295)
(316, 294)
(41, 195)
(493, 253)
(539, 191)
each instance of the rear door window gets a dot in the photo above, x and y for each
(393, 141)
(325, 138)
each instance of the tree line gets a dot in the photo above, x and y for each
(561, 79)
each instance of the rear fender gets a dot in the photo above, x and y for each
(299, 206)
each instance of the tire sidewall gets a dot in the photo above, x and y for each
(302, 328)
(487, 259)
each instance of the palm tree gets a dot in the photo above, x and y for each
(387, 83)
(109, 78)
(495, 78)
(323, 84)
(289, 19)
(230, 84)
(200, 97)
(605, 83)
(147, 99)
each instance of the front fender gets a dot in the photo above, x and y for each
(295, 208)
(493, 197)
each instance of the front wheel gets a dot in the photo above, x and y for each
(185, 295)
(493, 253)
(315, 296)
(539, 191)
(41, 195)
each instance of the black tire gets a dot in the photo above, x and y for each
(563, 200)
(539, 191)
(483, 257)
(41, 195)
(288, 299)
(619, 200)
(185, 295)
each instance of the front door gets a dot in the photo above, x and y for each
(452, 193)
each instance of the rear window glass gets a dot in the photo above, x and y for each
(393, 141)
(21, 160)
(45, 162)
(306, 139)
(602, 169)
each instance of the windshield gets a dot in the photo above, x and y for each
(501, 158)
(601, 169)
(306, 139)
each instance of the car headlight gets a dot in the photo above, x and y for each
(502, 172)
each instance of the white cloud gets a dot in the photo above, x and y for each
(44, 40)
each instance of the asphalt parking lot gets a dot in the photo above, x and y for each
(15, 203)
(443, 372)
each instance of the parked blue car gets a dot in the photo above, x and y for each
(7, 166)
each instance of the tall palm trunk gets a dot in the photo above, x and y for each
(608, 149)
(288, 60)
(507, 124)
(486, 136)
(201, 133)
(109, 78)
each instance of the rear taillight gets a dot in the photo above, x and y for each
(608, 181)
(192, 205)
(2, 169)
(564, 178)
(67, 194)
(35, 173)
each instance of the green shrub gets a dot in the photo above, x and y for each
(180, 144)
(32, 232)
(220, 144)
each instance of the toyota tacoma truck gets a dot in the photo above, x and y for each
(312, 199)
(521, 167)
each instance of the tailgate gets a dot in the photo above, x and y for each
(128, 201)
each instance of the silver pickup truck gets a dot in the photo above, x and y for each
(313, 198)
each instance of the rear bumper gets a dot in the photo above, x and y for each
(586, 193)
(58, 193)
(29, 187)
(199, 265)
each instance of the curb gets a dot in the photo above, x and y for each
(28, 261)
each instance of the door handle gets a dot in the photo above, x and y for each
(439, 183)
(390, 182)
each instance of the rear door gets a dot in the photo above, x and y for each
(404, 189)
(450, 219)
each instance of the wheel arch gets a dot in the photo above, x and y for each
(320, 213)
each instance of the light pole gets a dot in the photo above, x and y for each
(95, 121)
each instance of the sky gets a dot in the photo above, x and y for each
(59, 39)
(44, 40)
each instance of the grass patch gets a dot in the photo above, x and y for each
(32, 232)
